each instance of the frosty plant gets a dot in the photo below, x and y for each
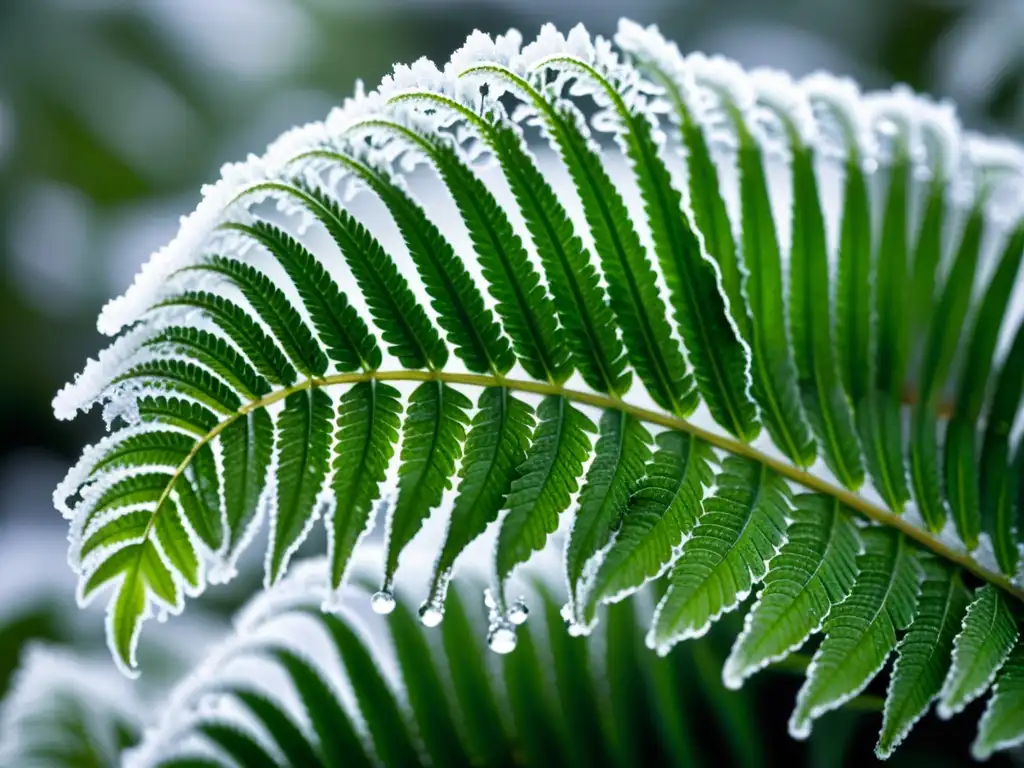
(770, 335)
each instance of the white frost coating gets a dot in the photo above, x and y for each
(79, 473)
(837, 103)
(701, 80)
(88, 386)
(785, 100)
(999, 163)
(48, 676)
(259, 625)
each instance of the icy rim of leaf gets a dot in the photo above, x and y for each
(932, 129)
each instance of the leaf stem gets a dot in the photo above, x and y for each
(801, 477)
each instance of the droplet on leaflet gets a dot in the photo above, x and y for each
(383, 602)
(502, 638)
(430, 614)
(518, 613)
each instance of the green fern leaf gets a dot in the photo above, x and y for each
(663, 509)
(893, 339)
(620, 459)
(177, 412)
(979, 651)
(248, 444)
(881, 434)
(1002, 725)
(460, 307)
(274, 309)
(772, 369)
(741, 529)
(143, 449)
(853, 273)
(349, 343)
(173, 375)
(429, 698)
(632, 290)
(138, 568)
(878, 417)
(522, 303)
(403, 323)
(773, 379)
(719, 357)
(999, 472)
(369, 418)
(216, 354)
(175, 542)
(942, 344)
(127, 491)
(860, 632)
(928, 251)
(248, 335)
(579, 300)
(923, 653)
(221, 412)
(547, 481)
(130, 526)
(278, 724)
(482, 727)
(810, 324)
(303, 454)
(877, 410)
(384, 719)
(432, 438)
(537, 719)
(495, 450)
(237, 744)
(199, 493)
(977, 365)
(814, 570)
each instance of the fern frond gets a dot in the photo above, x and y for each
(981, 647)
(810, 319)
(741, 529)
(663, 509)
(922, 654)
(432, 438)
(1002, 725)
(814, 570)
(620, 461)
(369, 417)
(467, 352)
(860, 632)
(547, 480)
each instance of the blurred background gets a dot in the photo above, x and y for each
(114, 112)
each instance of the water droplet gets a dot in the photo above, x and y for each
(430, 614)
(518, 613)
(489, 600)
(502, 638)
(383, 602)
